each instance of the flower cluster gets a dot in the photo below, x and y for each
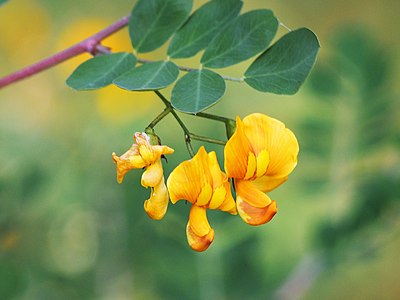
(144, 155)
(258, 157)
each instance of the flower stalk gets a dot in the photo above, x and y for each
(188, 135)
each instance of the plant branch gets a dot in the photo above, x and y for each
(91, 45)
(183, 126)
(188, 69)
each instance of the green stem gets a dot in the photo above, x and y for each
(161, 116)
(230, 124)
(189, 145)
(180, 122)
(213, 117)
(188, 135)
(206, 139)
(173, 112)
(284, 26)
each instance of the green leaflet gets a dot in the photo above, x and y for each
(100, 71)
(284, 67)
(150, 76)
(246, 36)
(152, 22)
(202, 27)
(197, 91)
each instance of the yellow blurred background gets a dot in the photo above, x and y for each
(69, 231)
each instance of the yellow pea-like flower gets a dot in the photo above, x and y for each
(259, 156)
(201, 182)
(144, 155)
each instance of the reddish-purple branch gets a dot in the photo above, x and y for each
(88, 45)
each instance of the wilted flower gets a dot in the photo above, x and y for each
(144, 155)
(201, 182)
(259, 157)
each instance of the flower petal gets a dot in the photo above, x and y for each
(127, 162)
(255, 127)
(141, 138)
(198, 220)
(147, 154)
(229, 204)
(205, 195)
(262, 163)
(268, 183)
(236, 152)
(196, 242)
(161, 150)
(157, 205)
(187, 179)
(251, 166)
(218, 197)
(153, 174)
(255, 215)
(140, 155)
(217, 175)
(249, 193)
(267, 133)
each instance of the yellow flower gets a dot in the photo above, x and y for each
(201, 182)
(144, 155)
(259, 156)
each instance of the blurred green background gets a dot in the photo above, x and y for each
(69, 231)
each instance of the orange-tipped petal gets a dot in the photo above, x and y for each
(153, 174)
(266, 133)
(255, 215)
(157, 205)
(187, 180)
(196, 242)
(247, 191)
(198, 220)
(236, 152)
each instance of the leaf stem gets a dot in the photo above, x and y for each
(161, 116)
(213, 117)
(173, 112)
(230, 124)
(206, 139)
(284, 26)
(91, 45)
(188, 69)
